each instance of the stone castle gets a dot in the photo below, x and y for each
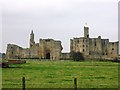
(45, 49)
(94, 47)
(51, 49)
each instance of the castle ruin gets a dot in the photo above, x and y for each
(45, 49)
(91, 48)
(94, 47)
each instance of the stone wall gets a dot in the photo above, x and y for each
(65, 56)
(45, 49)
(94, 47)
(50, 49)
(112, 50)
(13, 51)
(34, 51)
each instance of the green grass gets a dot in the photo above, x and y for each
(61, 74)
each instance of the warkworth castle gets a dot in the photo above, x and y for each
(92, 48)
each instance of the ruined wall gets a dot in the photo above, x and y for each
(57, 50)
(25, 53)
(80, 45)
(77, 44)
(65, 56)
(112, 50)
(95, 47)
(104, 52)
(16, 52)
(50, 49)
(13, 51)
(71, 45)
(34, 51)
(45, 49)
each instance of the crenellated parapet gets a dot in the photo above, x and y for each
(94, 47)
(45, 49)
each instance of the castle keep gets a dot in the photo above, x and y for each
(94, 47)
(45, 49)
(97, 48)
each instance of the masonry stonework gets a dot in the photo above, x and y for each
(94, 47)
(45, 49)
(97, 48)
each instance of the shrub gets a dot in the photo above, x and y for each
(77, 56)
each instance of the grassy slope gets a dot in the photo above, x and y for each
(60, 74)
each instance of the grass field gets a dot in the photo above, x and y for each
(60, 74)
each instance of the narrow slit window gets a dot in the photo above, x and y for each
(83, 50)
(95, 44)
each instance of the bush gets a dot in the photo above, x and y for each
(116, 60)
(77, 56)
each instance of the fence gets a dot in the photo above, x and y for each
(24, 84)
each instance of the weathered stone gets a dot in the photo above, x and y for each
(94, 47)
(45, 49)
(51, 49)
(65, 56)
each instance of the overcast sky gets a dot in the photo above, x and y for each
(56, 19)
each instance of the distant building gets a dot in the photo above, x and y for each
(45, 49)
(94, 47)
(97, 48)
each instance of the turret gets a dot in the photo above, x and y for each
(86, 31)
(32, 42)
(71, 45)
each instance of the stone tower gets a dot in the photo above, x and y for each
(32, 42)
(86, 31)
(50, 49)
(97, 48)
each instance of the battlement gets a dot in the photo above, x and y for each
(51, 49)
(94, 47)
